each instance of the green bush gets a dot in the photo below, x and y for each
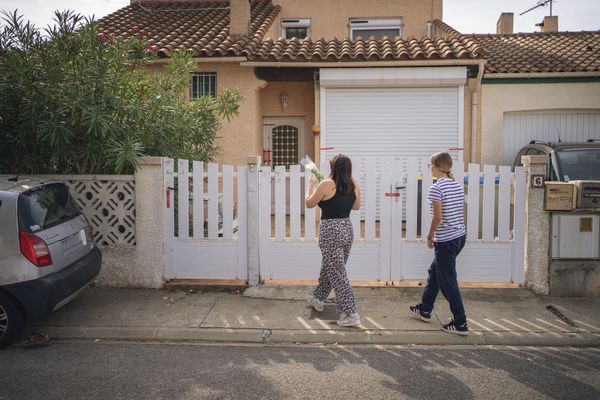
(76, 100)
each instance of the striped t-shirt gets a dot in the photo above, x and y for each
(451, 194)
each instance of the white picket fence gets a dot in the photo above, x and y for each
(203, 242)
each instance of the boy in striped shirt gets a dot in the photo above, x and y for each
(447, 236)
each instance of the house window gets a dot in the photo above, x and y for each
(377, 28)
(204, 84)
(295, 28)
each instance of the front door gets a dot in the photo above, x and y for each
(283, 141)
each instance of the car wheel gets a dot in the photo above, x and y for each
(11, 320)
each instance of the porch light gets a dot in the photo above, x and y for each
(283, 99)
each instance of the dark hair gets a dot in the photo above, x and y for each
(341, 173)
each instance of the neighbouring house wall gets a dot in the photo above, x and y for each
(301, 100)
(498, 99)
(329, 18)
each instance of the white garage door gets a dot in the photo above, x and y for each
(519, 128)
(396, 122)
(397, 112)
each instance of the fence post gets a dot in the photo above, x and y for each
(253, 231)
(537, 228)
(149, 264)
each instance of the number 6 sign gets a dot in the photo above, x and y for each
(537, 181)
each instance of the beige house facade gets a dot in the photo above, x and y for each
(367, 78)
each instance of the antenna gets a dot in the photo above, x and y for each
(540, 3)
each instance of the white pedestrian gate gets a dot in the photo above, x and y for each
(205, 235)
(387, 246)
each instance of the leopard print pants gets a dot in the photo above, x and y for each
(335, 240)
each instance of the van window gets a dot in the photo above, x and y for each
(579, 164)
(45, 206)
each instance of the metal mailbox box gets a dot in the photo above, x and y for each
(588, 194)
(559, 196)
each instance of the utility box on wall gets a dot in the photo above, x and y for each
(560, 196)
(588, 194)
(575, 235)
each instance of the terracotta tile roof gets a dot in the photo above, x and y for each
(541, 52)
(445, 30)
(366, 50)
(202, 28)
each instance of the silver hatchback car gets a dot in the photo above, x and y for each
(47, 251)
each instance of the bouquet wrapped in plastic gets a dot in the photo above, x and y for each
(310, 166)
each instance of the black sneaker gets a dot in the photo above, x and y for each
(416, 310)
(462, 330)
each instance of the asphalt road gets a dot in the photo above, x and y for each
(102, 370)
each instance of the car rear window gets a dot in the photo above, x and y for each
(579, 164)
(45, 206)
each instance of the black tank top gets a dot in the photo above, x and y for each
(339, 206)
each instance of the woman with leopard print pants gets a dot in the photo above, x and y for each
(336, 196)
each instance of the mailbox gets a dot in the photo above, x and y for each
(560, 196)
(588, 194)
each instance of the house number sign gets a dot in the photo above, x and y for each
(537, 181)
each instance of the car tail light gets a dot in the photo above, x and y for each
(90, 228)
(35, 249)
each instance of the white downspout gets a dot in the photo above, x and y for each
(475, 102)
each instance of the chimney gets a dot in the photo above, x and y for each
(550, 24)
(505, 23)
(239, 18)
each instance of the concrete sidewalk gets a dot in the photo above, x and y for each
(280, 315)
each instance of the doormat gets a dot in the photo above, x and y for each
(328, 314)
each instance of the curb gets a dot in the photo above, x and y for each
(341, 336)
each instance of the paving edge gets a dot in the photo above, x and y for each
(345, 336)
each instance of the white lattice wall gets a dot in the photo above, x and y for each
(109, 203)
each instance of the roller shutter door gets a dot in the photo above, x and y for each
(519, 128)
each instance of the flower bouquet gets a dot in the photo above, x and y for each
(310, 166)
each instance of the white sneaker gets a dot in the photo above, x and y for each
(349, 320)
(316, 303)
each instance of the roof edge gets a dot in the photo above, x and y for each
(351, 64)
(537, 75)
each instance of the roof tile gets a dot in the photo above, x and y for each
(541, 52)
(202, 28)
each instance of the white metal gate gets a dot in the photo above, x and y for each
(387, 245)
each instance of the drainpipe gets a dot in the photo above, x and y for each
(475, 113)
(429, 29)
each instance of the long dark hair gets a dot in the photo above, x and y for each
(341, 173)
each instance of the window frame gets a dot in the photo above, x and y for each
(213, 92)
(358, 24)
(295, 23)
